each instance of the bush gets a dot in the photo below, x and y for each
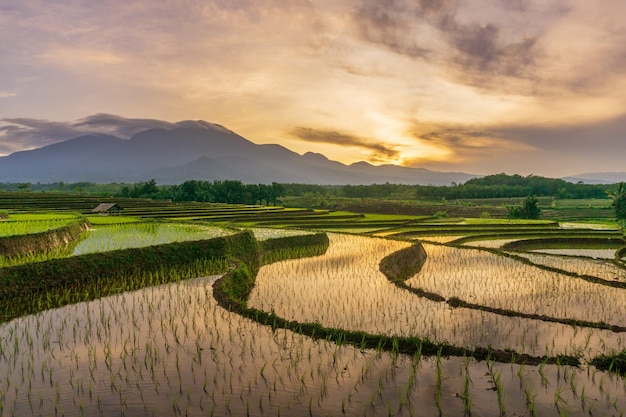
(528, 209)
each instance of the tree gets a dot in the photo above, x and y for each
(275, 192)
(528, 209)
(619, 201)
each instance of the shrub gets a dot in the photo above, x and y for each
(528, 209)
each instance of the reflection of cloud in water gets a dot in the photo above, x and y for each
(484, 278)
(598, 268)
(345, 289)
(171, 350)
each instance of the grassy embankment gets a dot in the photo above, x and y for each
(29, 288)
(32, 243)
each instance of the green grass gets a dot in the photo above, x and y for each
(42, 216)
(106, 220)
(474, 221)
(26, 224)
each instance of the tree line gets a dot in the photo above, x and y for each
(226, 191)
(508, 186)
(491, 186)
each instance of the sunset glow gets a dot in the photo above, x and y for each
(516, 86)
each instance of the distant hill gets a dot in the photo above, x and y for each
(598, 177)
(201, 151)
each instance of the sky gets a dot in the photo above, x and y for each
(478, 86)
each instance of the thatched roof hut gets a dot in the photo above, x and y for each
(108, 208)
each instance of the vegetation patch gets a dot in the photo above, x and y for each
(612, 363)
(404, 263)
(32, 288)
(292, 247)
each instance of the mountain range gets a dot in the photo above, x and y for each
(198, 150)
(201, 151)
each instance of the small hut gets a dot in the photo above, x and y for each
(106, 209)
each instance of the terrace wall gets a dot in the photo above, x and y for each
(44, 241)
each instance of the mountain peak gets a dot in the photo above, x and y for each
(361, 164)
(315, 156)
(201, 124)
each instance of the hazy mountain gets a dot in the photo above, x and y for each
(197, 150)
(598, 177)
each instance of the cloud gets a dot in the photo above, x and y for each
(551, 150)
(396, 24)
(118, 125)
(25, 133)
(379, 152)
(469, 143)
(490, 50)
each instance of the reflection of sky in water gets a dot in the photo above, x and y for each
(107, 238)
(484, 278)
(170, 350)
(345, 289)
(603, 269)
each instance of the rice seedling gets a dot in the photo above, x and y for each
(170, 347)
(133, 235)
(501, 282)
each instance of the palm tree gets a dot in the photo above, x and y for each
(619, 200)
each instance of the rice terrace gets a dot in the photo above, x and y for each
(216, 309)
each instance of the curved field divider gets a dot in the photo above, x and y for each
(41, 242)
(527, 244)
(400, 265)
(397, 268)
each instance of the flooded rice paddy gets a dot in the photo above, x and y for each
(170, 350)
(584, 266)
(488, 279)
(137, 235)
